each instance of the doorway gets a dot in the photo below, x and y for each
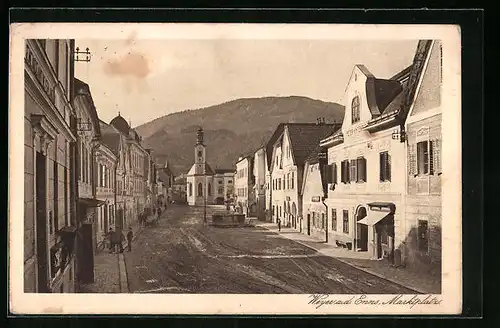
(41, 222)
(308, 224)
(120, 222)
(361, 231)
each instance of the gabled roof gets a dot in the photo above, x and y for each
(314, 155)
(305, 138)
(83, 89)
(110, 137)
(397, 110)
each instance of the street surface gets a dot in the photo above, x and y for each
(183, 255)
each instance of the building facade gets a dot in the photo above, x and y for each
(105, 163)
(420, 236)
(223, 186)
(259, 187)
(367, 159)
(292, 143)
(199, 180)
(50, 167)
(243, 184)
(89, 139)
(314, 210)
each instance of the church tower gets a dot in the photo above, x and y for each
(199, 153)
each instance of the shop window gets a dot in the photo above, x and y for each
(423, 236)
(345, 221)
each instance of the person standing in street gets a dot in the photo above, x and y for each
(130, 235)
(279, 224)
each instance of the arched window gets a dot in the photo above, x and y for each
(355, 109)
(200, 189)
(209, 189)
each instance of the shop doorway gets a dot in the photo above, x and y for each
(308, 224)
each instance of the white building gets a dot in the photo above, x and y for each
(199, 180)
(243, 185)
(223, 186)
(259, 187)
(367, 159)
(290, 146)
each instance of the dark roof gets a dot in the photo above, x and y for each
(400, 104)
(380, 93)
(163, 176)
(165, 170)
(121, 124)
(222, 171)
(82, 88)
(110, 137)
(313, 156)
(305, 138)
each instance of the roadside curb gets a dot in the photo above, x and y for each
(352, 265)
(122, 268)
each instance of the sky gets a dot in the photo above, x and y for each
(146, 79)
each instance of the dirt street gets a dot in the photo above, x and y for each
(182, 255)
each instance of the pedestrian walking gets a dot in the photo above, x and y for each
(130, 235)
(279, 224)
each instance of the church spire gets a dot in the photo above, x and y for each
(199, 136)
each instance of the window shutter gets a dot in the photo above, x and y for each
(437, 156)
(329, 174)
(363, 163)
(334, 173)
(381, 161)
(342, 172)
(431, 157)
(388, 167)
(412, 160)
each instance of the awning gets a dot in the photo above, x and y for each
(91, 202)
(373, 218)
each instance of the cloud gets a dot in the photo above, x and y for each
(133, 64)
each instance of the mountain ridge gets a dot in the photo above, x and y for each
(231, 128)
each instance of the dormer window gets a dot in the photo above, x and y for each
(355, 109)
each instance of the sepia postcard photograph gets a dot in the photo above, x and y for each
(235, 169)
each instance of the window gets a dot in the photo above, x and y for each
(334, 219)
(423, 236)
(334, 173)
(385, 166)
(274, 210)
(353, 170)
(355, 109)
(221, 190)
(345, 221)
(279, 184)
(314, 219)
(199, 154)
(344, 171)
(220, 182)
(426, 157)
(322, 220)
(190, 189)
(361, 169)
(209, 189)
(230, 181)
(293, 180)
